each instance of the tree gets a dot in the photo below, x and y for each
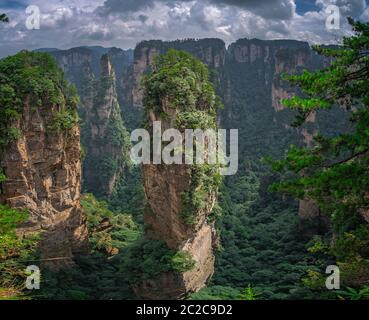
(15, 251)
(4, 17)
(334, 172)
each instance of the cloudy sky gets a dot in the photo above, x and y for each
(123, 23)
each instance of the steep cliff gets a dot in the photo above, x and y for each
(40, 153)
(104, 135)
(210, 51)
(97, 73)
(248, 79)
(180, 197)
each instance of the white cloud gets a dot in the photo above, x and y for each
(64, 25)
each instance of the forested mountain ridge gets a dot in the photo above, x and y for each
(262, 241)
(247, 76)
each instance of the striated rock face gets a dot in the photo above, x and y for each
(174, 215)
(104, 134)
(97, 73)
(177, 285)
(164, 186)
(43, 170)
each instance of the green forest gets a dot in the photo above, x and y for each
(264, 250)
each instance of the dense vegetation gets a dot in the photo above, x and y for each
(334, 172)
(33, 78)
(262, 247)
(107, 153)
(120, 257)
(96, 275)
(15, 252)
(180, 81)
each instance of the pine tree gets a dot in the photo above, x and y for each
(334, 172)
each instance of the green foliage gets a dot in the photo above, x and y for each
(128, 194)
(216, 293)
(353, 294)
(110, 232)
(34, 79)
(96, 275)
(148, 259)
(261, 245)
(195, 120)
(249, 294)
(2, 175)
(205, 180)
(182, 261)
(15, 251)
(65, 120)
(181, 80)
(334, 172)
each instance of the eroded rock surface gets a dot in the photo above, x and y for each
(43, 170)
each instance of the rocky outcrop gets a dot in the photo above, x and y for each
(180, 199)
(164, 186)
(251, 86)
(104, 135)
(43, 170)
(97, 73)
(211, 51)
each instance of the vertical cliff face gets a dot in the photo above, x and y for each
(97, 73)
(104, 135)
(42, 162)
(249, 78)
(261, 90)
(76, 64)
(211, 51)
(179, 197)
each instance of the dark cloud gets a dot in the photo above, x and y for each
(143, 18)
(124, 6)
(270, 9)
(13, 4)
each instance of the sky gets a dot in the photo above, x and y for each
(124, 23)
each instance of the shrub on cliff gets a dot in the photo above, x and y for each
(34, 79)
(147, 259)
(180, 81)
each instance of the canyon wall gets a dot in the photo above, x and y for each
(43, 175)
(97, 73)
(104, 136)
(248, 78)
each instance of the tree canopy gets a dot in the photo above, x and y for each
(4, 17)
(334, 172)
